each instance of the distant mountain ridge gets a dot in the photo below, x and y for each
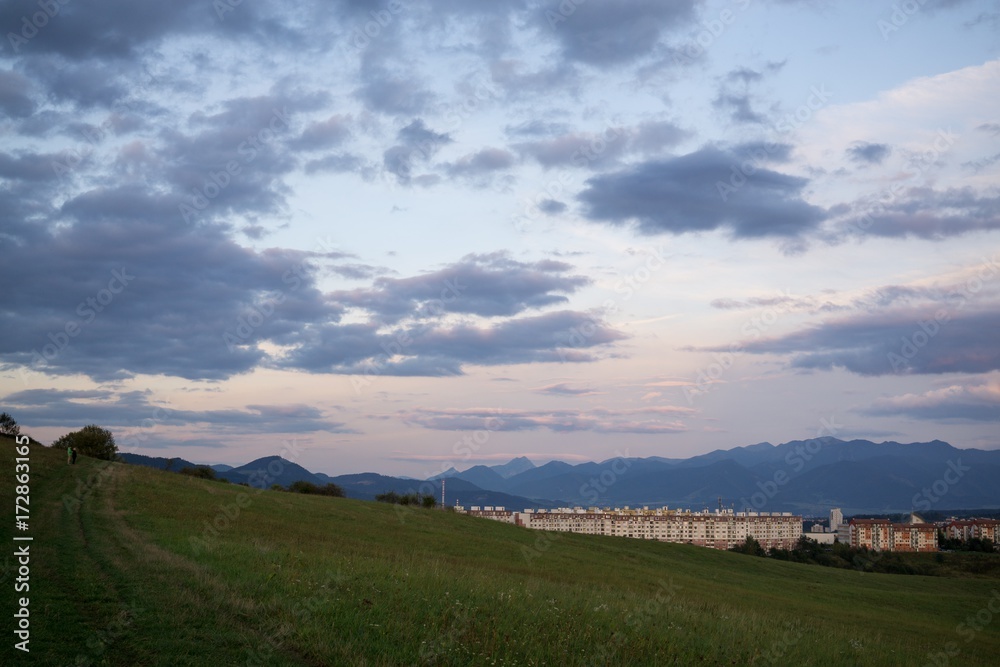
(805, 476)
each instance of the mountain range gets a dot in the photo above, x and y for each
(802, 476)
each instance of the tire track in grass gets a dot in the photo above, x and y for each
(194, 612)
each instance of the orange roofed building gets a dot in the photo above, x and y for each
(884, 535)
(967, 529)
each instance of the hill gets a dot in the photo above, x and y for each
(269, 470)
(135, 566)
(158, 462)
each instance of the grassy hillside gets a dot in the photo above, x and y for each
(135, 573)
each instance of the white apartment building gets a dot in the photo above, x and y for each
(720, 529)
(836, 518)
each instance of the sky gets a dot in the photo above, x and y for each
(406, 235)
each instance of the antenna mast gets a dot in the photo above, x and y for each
(442, 492)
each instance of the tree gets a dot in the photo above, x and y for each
(750, 546)
(92, 441)
(8, 426)
(203, 472)
(303, 486)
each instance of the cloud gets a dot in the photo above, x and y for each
(596, 149)
(938, 324)
(488, 285)
(695, 192)
(135, 411)
(335, 163)
(606, 34)
(738, 105)
(417, 145)
(551, 207)
(863, 152)
(437, 349)
(394, 94)
(324, 134)
(14, 100)
(563, 389)
(967, 402)
(517, 81)
(904, 341)
(923, 212)
(118, 285)
(599, 420)
(481, 162)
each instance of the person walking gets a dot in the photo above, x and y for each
(69, 454)
(72, 456)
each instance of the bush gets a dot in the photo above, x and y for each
(428, 501)
(204, 472)
(303, 486)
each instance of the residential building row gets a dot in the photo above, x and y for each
(967, 529)
(721, 529)
(884, 535)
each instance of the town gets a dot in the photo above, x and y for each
(726, 528)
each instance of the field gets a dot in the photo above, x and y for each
(133, 566)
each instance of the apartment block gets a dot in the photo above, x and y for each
(720, 529)
(884, 535)
(966, 529)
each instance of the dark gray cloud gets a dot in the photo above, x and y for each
(738, 106)
(136, 411)
(123, 286)
(394, 94)
(482, 162)
(127, 288)
(489, 285)
(925, 213)
(417, 145)
(614, 32)
(29, 166)
(232, 162)
(119, 29)
(942, 338)
(735, 97)
(764, 152)
(90, 83)
(519, 82)
(868, 153)
(438, 349)
(594, 150)
(702, 191)
(14, 99)
(551, 206)
(323, 134)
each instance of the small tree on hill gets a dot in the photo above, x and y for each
(8, 426)
(204, 472)
(751, 547)
(303, 486)
(92, 441)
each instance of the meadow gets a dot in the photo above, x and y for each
(134, 566)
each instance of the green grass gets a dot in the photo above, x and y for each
(123, 578)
